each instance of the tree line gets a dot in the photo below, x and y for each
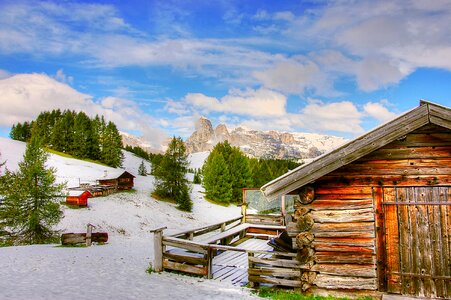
(227, 170)
(75, 134)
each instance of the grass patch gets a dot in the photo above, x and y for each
(150, 269)
(277, 294)
(130, 191)
(163, 199)
(71, 156)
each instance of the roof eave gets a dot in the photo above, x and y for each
(426, 113)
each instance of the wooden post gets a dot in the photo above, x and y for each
(223, 227)
(284, 212)
(89, 234)
(158, 248)
(191, 236)
(210, 263)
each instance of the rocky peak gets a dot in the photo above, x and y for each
(202, 138)
(222, 133)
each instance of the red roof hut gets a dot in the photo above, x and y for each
(79, 198)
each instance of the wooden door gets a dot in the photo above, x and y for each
(414, 240)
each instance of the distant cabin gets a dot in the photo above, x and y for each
(79, 198)
(120, 180)
(375, 214)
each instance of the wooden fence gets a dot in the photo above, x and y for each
(192, 252)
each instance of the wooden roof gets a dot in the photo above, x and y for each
(115, 174)
(426, 113)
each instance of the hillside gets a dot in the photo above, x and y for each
(115, 270)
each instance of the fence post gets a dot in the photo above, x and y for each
(89, 234)
(158, 248)
(210, 263)
(250, 265)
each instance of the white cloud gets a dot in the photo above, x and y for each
(378, 111)
(61, 77)
(387, 40)
(261, 102)
(4, 74)
(295, 76)
(24, 96)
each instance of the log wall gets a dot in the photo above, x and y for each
(343, 211)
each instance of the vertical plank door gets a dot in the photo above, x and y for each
(417, 240)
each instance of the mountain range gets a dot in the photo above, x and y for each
(262, 144)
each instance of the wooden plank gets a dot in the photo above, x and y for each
(408, 170)
(344, 258)
(387, 180)
(343, 227)
(343, 248)
(187, 258)
(380, 239)
(345, 234)
(398, 153)
(275, 262)
(354, 270)
(445, 221)
(342, 190)
(328, 197)
(185, 244)
(275, 281)
(279, 272)
(341, 216)
(339, 282)
(338, 204)
(346, 241)
(424, 235)
(175, 266)
(205, 229)
(405, 247)
(437, 244)
(391, 238)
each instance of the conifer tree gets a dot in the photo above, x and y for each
(240, 173)
(29, 209)
(111, 148)
(217, 181)
(170, 175)
(142, 169)
(197, 179)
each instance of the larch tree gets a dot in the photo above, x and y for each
(170, 175)
(30, 205)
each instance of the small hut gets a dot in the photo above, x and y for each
(120, 180)
(375, 214)
(78, 197)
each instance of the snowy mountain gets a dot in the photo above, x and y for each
(262, 144)
(115, 270)
(133, 141)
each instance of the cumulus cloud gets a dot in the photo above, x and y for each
(24, 96)
(261, 102)
(294, 76)
(378, 111)
(61, 77)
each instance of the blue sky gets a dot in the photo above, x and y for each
(153, 67)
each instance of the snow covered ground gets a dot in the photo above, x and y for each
(115, 270)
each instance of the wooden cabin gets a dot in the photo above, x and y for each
(79, 197)
(120, 180)
(374, 216)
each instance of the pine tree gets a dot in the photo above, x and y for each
(142, 169)
(170, 175)
(111, 147)
(29, 209)
(217, 181)
(240, 173)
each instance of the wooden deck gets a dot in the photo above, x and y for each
(231, 266)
